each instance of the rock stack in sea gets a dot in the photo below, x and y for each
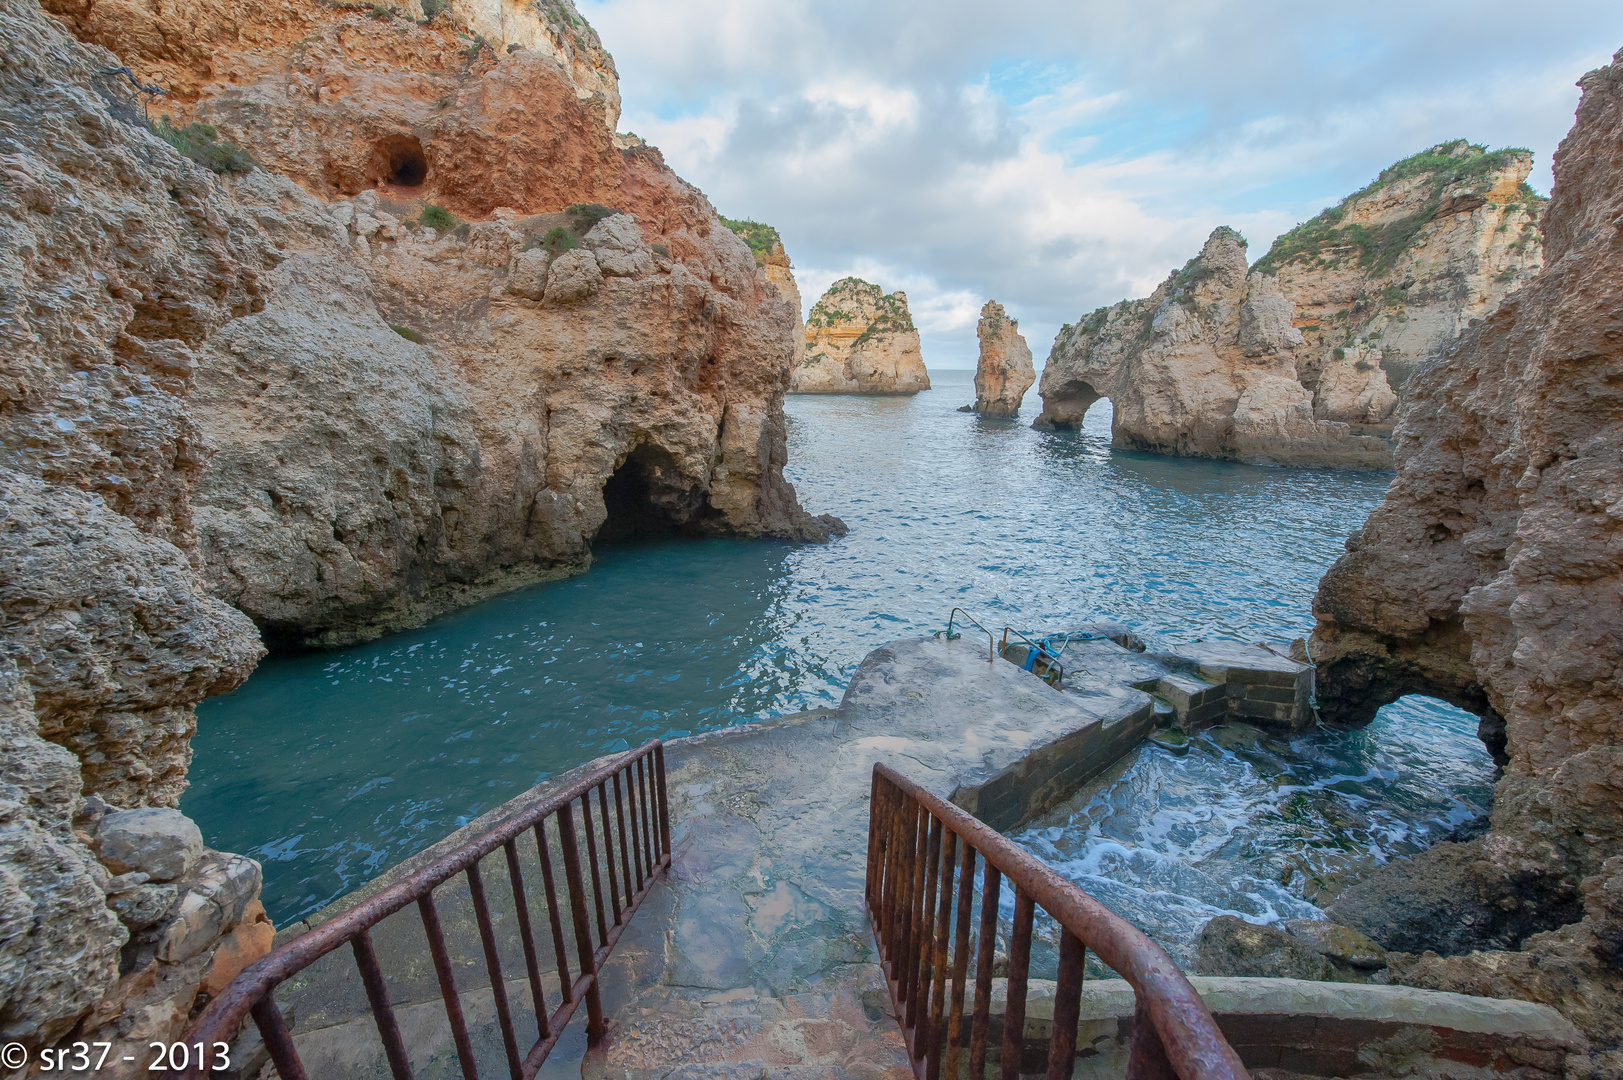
(1004, 372)
(440, 331)
(1302, 360)
(860, 340)
(1490, 577)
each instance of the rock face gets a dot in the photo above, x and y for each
(1004, 372)
(1489, 577)
(767, 247)
(119, 258)
(417, 416)
(337, 417)
(1206, 366)
(1398, 269)
(860, 340)
(1346, 306)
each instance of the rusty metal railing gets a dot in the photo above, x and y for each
(919, 848)
(639, 838)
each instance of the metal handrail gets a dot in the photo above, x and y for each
(913, 841)
(644, 852)
(1056, 670)
(991, 639)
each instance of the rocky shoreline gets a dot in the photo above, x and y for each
(453, 328)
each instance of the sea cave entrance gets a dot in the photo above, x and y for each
(648, 498)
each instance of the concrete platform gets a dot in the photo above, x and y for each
(754, 956)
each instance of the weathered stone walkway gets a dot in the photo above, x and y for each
(754, 956)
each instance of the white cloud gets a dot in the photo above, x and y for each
(1059, 156)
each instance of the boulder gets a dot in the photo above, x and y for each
(158, 842)
(527, 275)
(572, 277)
(619, 247)
(1228, 945)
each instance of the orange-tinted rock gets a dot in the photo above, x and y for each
(1490, 576)
(367, 478)
(860, 340)
(1004, 372)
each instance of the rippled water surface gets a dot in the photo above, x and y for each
(331, 767)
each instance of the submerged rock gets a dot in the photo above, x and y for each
(1489, 577)
(860, 340)
(1301, 360)
(1004, 372)
(1296, 949)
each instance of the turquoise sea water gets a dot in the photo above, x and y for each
(330, 767)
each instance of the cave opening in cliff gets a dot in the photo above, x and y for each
(400, 160)
(647, 498)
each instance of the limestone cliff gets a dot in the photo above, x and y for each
(860, 340)
(1398, 269)
(767, 247)
(518, 329)
(118, 259)
(1489, 576)
(1364, 291)
(1206, 366)
(340, 414)
(1004, 372)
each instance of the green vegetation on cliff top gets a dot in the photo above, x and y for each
(762, 239)
(1378, 249)
(891, 314)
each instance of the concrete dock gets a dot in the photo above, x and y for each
(753, 957)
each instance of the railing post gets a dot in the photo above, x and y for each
(1014, 1010)
(583, 934)
(1146, 1056)
(1067, 1007)
(664, 801)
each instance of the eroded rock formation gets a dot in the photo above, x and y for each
(1206, 366)
(1398, 269)
(118, 259)
(1004, 372)
(1490, 577)
(428, 410)
(767, 247)
(310, 390)
(1347, 304)
(860, 340)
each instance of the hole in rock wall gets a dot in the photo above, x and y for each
(648, 497)
(400, 160)
(1098, 418)
(1067, 404)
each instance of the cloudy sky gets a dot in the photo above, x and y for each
(1061, 155)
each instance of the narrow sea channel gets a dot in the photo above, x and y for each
(330, 767)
